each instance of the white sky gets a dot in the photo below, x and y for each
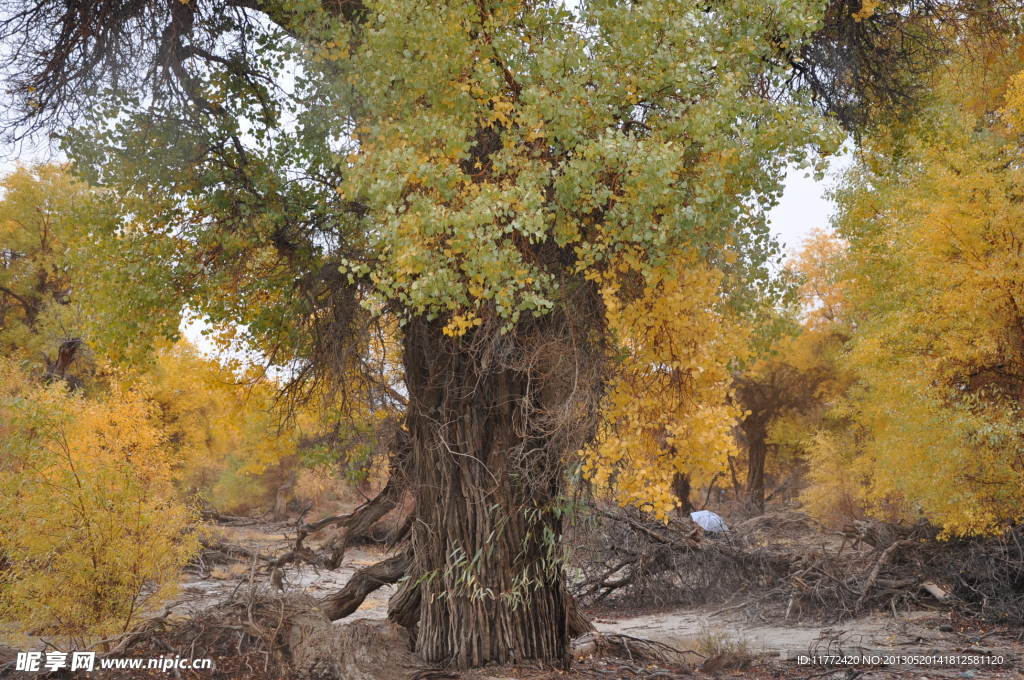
(805, 205)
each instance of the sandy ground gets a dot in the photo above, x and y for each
(200, 592)
(912, 634)
(777, 646)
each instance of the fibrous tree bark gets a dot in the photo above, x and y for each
(487, 474)
(757, 453)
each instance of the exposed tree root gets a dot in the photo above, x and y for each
(578, 622)
(404, 605)
(357, 526)
(403, 608)
(628, 647)
(363, 582)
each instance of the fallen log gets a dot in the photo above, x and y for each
(936, 591)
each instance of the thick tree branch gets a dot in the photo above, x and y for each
(363, 582)
(29, 308)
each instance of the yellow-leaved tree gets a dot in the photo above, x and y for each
(784, 389)
(667, 411)
(46, 217)
(222, 429)
(812, 436)
(92, 533)
(935, 227)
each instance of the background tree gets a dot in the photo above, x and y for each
(91, 528)
(932, 217)
(104, 464)
(45, 221)
(74, 280)
(75, 298)
(785, 391)
(234, 452)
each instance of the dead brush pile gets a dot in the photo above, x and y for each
(784, 566)
(986, 576)
(259, 635)
(245, 634)
(621, 556)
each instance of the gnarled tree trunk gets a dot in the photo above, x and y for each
(486, 470)
(757, 453)
(681, 490)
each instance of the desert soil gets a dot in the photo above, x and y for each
(776, 646)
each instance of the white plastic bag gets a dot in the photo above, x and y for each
(709, 521)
